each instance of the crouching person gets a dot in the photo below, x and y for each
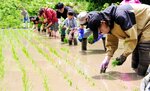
(51, 19)
(83, 19)
(125, 22)
(71, 27)
(37, 23)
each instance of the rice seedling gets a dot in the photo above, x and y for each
(65, 49)
(45, 83)
(90, 39)
(65, 40)
(2, 68)
(115, 62)
(26, 84)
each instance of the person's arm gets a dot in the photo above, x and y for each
(49, 24)
(111, 44)
(65, 24)
(130, 43)
(127, 22)
(49, 17)
(87, 33)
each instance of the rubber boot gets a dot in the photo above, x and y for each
(70, 42)
(84, 44)
(50, 34)
(62, 38)
(38, 29)
(135, 58)
(142, 69)
(75, 41)
(104, 44)
(144, 57)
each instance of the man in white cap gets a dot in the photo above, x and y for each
(83, 19)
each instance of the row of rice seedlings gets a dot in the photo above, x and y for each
(110, 77)
(25, 80)
(45, 84)
(80, 71)
(26, 53)
(66, 50)
(66, 77)
(53, 50)
(53, 62)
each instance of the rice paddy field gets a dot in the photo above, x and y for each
(31, 61)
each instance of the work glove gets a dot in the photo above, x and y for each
(104, 64)
(91, 39)
(121, 60)
(80, 38)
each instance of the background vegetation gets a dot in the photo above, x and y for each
(10, 9)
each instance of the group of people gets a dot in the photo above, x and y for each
(129, 21)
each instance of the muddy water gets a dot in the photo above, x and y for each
(59, 67)
(122, 78)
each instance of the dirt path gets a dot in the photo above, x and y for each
(46, 64)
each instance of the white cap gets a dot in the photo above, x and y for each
(82, 17)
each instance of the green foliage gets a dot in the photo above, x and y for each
(10, 10)
(99, 4)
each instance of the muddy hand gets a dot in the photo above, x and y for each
(121, 59)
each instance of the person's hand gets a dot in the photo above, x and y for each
(45, 27)
(104, 64)
(90, 42)
(80, 38)
(121, 60)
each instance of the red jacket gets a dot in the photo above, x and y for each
(50, 15)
